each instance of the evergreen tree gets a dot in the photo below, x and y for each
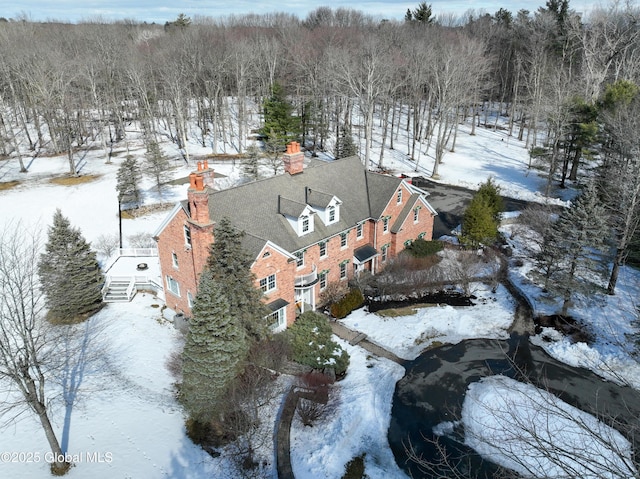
(422, 14)
(482, 216)
(280, 126)
(157, 164)
(128, 178)
(578, 246)
(230, 266)
(490, 192)
(250, 163)
(345, 146)
(311, 343)
(69, 273)
(214, 351)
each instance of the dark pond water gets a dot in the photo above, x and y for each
(433, 390)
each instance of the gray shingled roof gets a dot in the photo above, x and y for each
(408, 207)
(253, 207)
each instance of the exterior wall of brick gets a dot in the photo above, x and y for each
(270, 261)
(190, 260)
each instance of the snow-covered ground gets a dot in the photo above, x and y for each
(409, 336)
(126, 405)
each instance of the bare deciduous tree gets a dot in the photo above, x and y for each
(26, 339)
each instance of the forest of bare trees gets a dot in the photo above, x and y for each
(559, 81)
(68, 87)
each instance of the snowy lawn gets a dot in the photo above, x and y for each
(531, 431)
(125, 412)
(408, 336)
(609, 319)
(356, 423)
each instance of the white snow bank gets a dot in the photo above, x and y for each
(536, 434)
(408, 336)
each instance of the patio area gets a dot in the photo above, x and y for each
(130, 270)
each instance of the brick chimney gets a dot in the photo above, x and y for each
(198, 193)
(293, 159)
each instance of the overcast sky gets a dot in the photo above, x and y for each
(160, 11)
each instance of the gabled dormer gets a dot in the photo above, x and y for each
(299, 216)
(325, 205)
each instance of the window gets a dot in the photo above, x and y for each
(277, 319)
(190, 299)
(332, 214)
(173, 286)
(268, 284)
(343, 240)
(385, 224)
(174, 259)
(421, 235)
(408, 243)
(300, 259)
(384, 253)
(399, 197)
(416, 212)
(360, 230)
(323, 249)
(305, 224)
(187, 235)
(343, 270)
(323, 280)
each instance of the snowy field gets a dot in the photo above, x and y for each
(126, 412)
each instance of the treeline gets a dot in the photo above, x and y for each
(64, 87)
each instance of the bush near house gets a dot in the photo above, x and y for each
(421, 248)
(353, 300)
(311, 344)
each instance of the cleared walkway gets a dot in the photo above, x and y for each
(356, 337)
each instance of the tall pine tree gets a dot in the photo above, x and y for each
(578, 245)
(214, 350)
(69, 273)
(345, 146)
(230, 266)
(128, 178)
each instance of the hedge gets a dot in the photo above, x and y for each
(353, 300)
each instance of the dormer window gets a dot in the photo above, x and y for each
(305, 224)
(332, 214)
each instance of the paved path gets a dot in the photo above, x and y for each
(355, 337)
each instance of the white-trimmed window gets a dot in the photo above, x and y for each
(360, 230)
(331, 214)
(399, 197)
(322, 277)
(323, 249)
(174, 259)
(385, 224)
(268, 284)
(422, 235)
(408, 243)
(416, 214)
(305, 224)
(300, 259)
(173, 286)
(277, 320)
(190, 299)
(343, 240)
(187, 235)
(343, 269)
(383, 257)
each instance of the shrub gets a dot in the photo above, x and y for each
(354, 469)
(351, 301)
(310, 411)
(311, 344)
(421, 248)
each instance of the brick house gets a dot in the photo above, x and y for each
(306, 228)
